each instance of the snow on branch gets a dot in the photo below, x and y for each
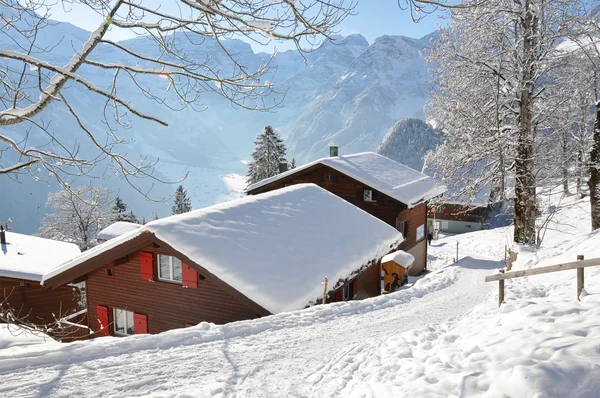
(31, 80)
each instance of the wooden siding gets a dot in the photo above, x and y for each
(167, 305)
(457, 212)
(368, 283)
(37, 304)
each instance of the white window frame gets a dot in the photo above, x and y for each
(420, 232)
(116, 317)
(171, 277)
(346, 292)
(368, 195)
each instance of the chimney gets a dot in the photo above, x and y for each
(333, 150)
(283, 166)
(2, 235)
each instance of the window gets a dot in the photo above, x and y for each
(123, 321)
(169, 268)
(328, 178)
(403, 228)
(109, 272)
(347, 292)
(369, 195)
(421, 232)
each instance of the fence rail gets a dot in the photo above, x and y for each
(579, 265)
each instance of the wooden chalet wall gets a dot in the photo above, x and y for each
(384, 207)
(39, 305)
(167, 305)
(415, 217)
(457, 212)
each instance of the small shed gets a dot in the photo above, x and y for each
(394, 270)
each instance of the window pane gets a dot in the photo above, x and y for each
(129, 322)
(176, 269)
(119, 321)
(164, 267)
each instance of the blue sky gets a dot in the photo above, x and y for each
(375, 18)
(384, 17)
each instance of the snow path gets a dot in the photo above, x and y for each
(322, 347)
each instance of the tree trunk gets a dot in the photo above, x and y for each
(594, 180)
(565, 161)
(525, 190)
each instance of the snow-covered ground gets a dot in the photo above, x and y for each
(442, 335)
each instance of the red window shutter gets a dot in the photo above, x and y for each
(339, 296)
(147, 266)
(140, 324)
(102, 314)
(354, 287)
(189, 276)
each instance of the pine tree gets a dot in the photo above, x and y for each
(120, 212)
(155, 216)
(293, 164)
(182, 203)
(270, 150)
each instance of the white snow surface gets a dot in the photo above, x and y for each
(29, 257)
(275, 248)
(399, 257)
(442, 335)
(117, 229)
(378, 172)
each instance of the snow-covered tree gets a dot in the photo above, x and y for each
(583, 54)
(490, 64)
(269, 151)
(408, 141)
(77, 215)
(293, 164)
(181, 203)
(32, 80)
(120, 212)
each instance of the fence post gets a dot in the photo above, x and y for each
(579, 278)
(456, 251)
(501, 292)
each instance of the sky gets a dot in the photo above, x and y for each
(374, 18)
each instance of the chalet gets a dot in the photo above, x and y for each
(388, 190)
(458, 218)
(24, 260)
(243, 259)
(116, 229)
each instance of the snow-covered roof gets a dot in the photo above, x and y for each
(394, 179)
(399, 257)
(117, 229)
(29, 257)
(275, 248)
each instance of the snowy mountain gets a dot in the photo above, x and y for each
(408, 141)
(346, 91)
(388, 81)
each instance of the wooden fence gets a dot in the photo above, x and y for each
(579, 265)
